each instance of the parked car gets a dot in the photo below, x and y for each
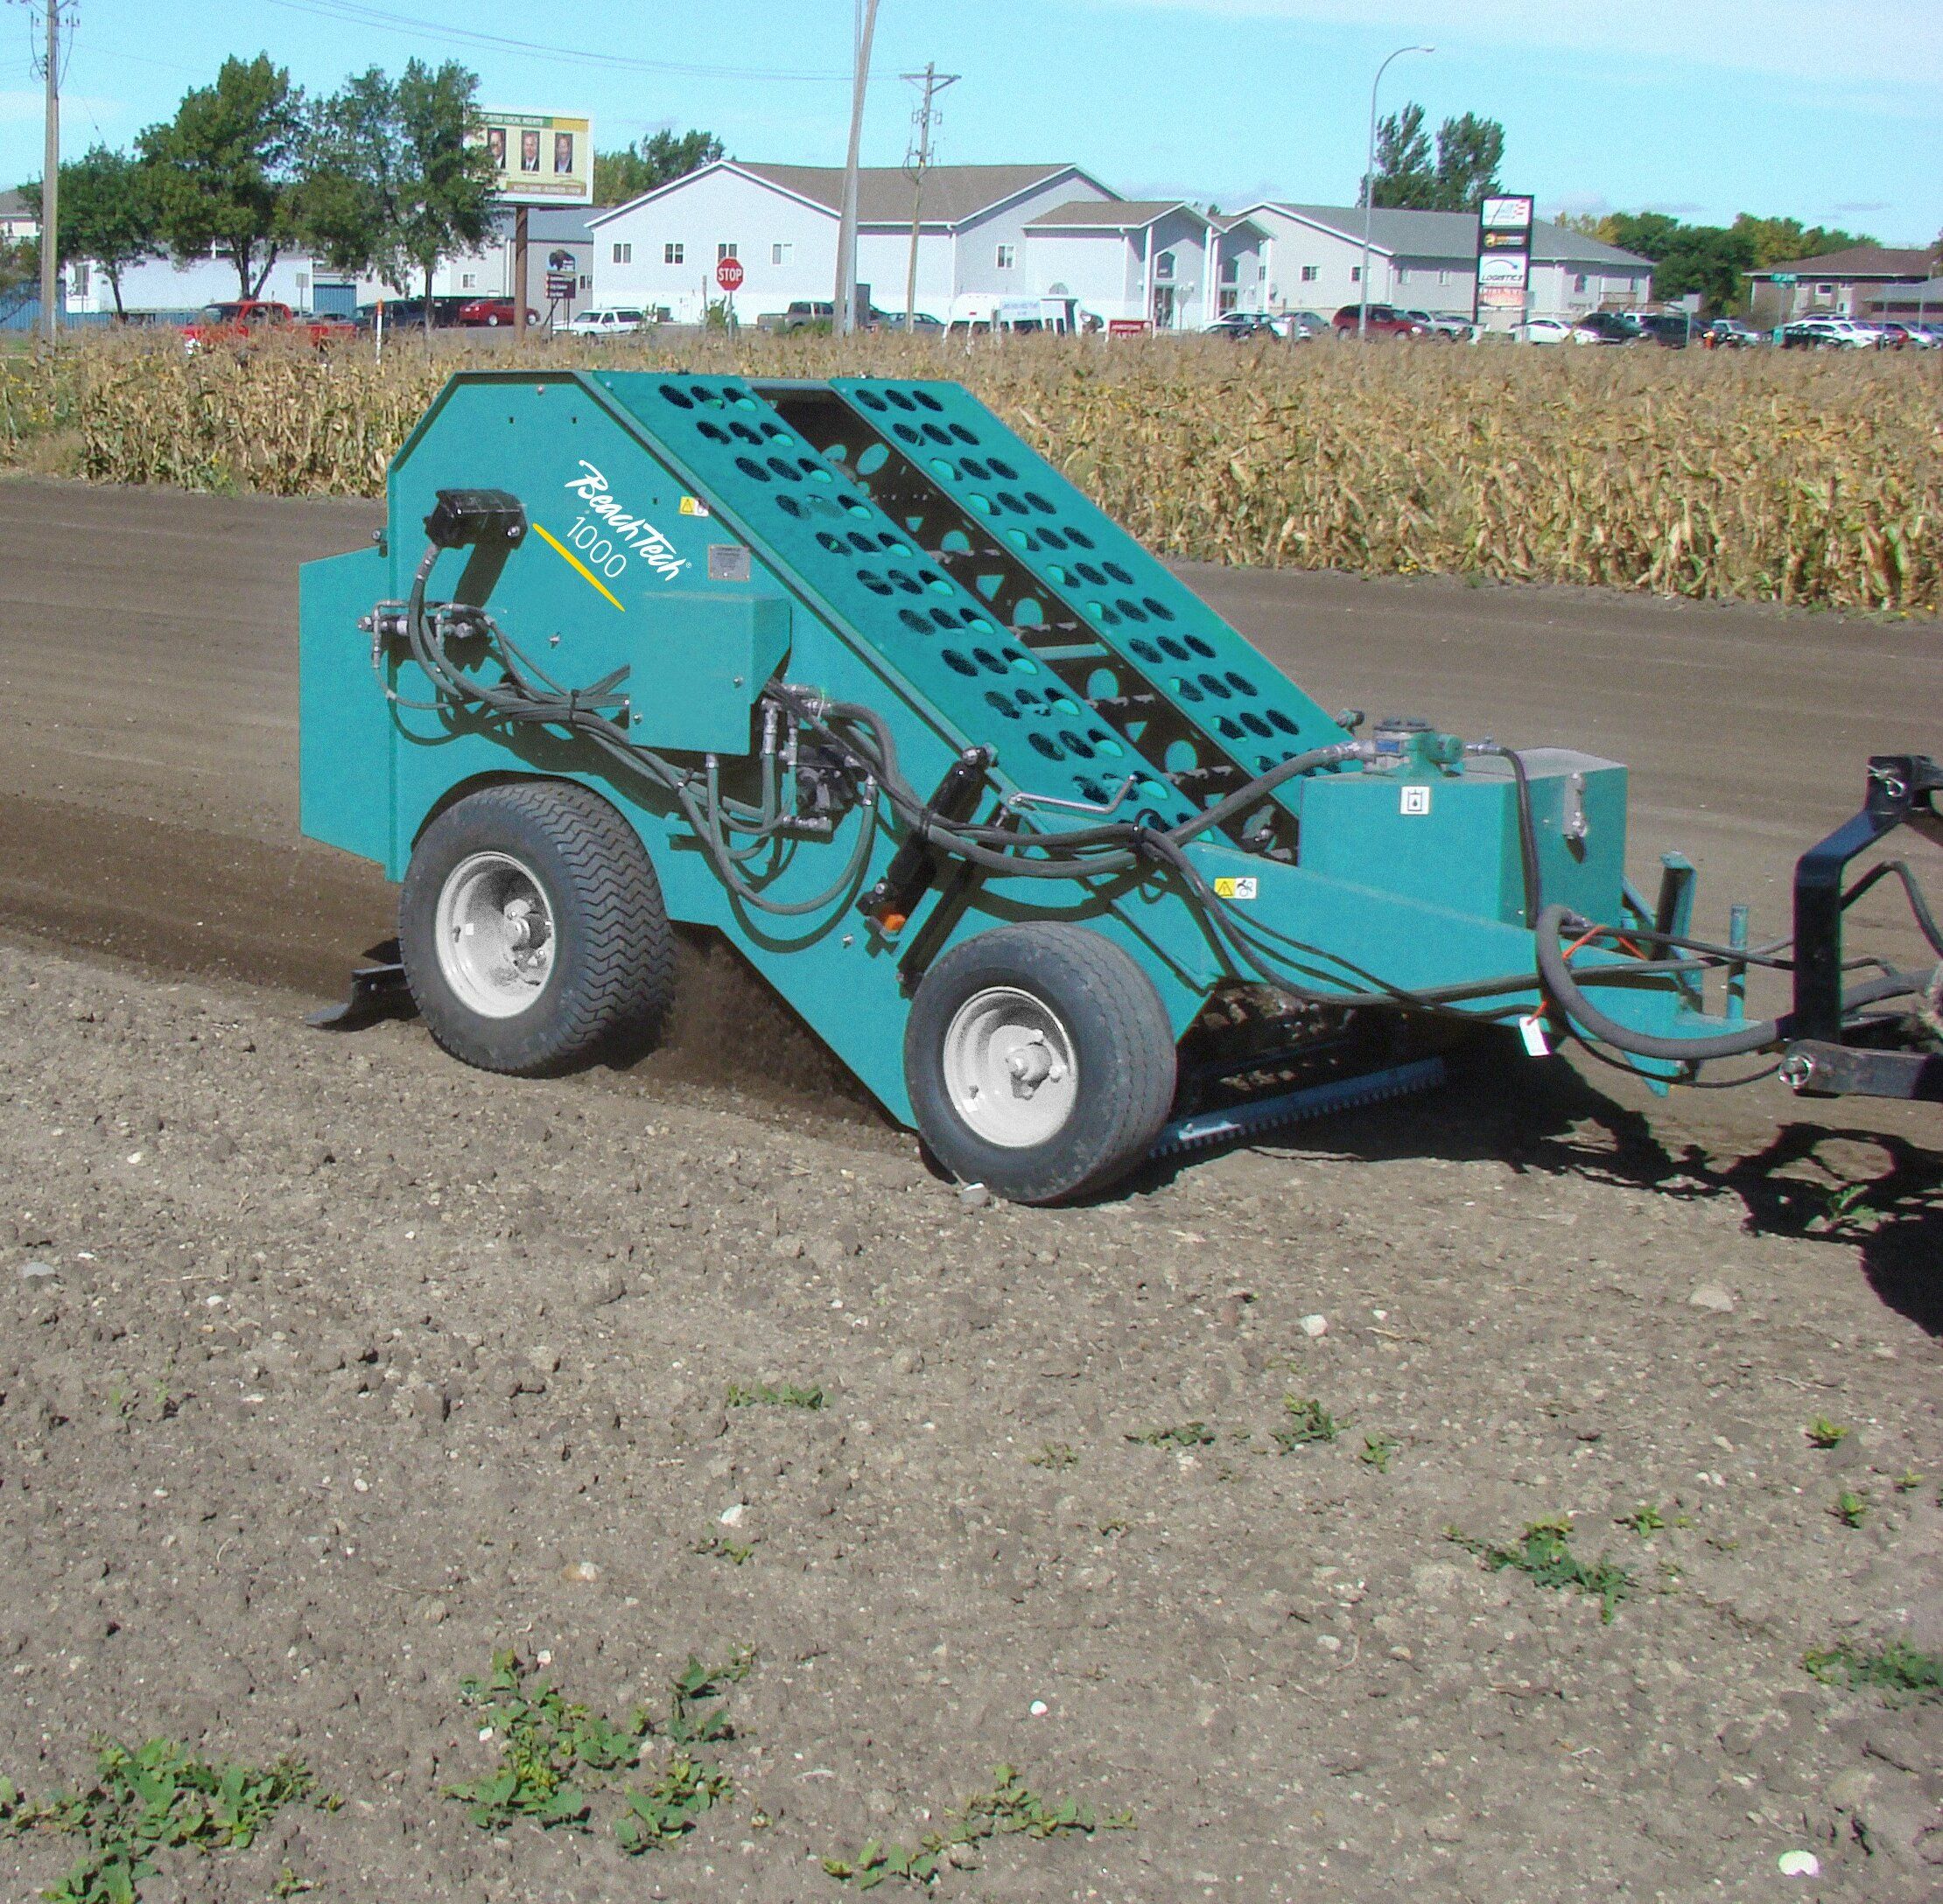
(1899, 336)
(243, 319)
(1246, 326)
(1606, 328)
(1730, 333)
(1674, 329)
(492, 312)
(1381, 320)
(400, 313)
(1825, 333)
(1309, 323)
(1543, 331)
(607, 320)
(922, 323)
(1440, 324)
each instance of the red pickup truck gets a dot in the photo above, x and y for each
(248, 318)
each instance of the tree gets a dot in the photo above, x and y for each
(397, 179)
(109, 213)
(1781, 240)
(1469, 151)
(225, 168)
(1403, 173)
(1709, 259)
(657, 160)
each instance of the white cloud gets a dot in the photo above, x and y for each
(1896, 43)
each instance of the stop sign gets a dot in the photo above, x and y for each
(728, 274)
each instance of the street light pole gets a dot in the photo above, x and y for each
(844, 311)
(1369, 194)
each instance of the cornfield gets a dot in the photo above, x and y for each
(1796, 479)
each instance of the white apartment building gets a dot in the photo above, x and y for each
(1428, 261)
(779, 223)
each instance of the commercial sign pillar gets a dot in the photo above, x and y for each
(519, 272)
(1505, 255)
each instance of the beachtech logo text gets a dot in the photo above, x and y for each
(633, 533)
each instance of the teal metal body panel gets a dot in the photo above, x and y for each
(687, 529)
(344, 734)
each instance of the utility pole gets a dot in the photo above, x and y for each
(844, 307)
(917, 161)
(47, 57)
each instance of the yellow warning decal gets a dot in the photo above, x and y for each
(1232, 887)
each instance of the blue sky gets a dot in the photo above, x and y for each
(1826, 110)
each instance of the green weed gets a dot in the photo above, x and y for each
(1896, 1669)
(553, 1754)
(1186, 1434)
(1308, 1421)
(782, 1395)
(156, 1798)
(1377, 1452)
(719, 1547)
(1008, 1808)
(1823, 1433)
(1054, 1454)
(1645, 1520)
(1850, 1508)
(1908, 1481)
(1544, 1552)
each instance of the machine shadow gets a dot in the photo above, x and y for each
(1548, 1119)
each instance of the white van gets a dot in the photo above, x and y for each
(610, 320)
(978, 314)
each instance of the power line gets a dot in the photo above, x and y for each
(385, 20)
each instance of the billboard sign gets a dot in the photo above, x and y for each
(538, 158)
(1503, 251)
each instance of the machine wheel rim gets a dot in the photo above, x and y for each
(496, 934)
(1010, 1070)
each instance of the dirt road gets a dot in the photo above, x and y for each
(328, 1368)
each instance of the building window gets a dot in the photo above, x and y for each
(623, 254)
(1163, 265)
(1230, 270)
(1310, 273)
(723, 251)
(1355, 274)
(1403, 277)
(1825, 290)
(782, 254)
(586, 283)
(1580, 282)
(1008, 256)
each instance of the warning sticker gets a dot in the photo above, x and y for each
(693, 506)
(1229, 887)
(1415, 800)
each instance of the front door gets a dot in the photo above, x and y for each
(1163, 307)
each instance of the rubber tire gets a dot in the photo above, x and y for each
(1123, 1044)
(613, 967)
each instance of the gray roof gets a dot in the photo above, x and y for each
(1453, 235)
(14, 205)
(1860, 261)
(952, 194)
(1117, 214)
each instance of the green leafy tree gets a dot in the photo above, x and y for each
(1469, 151)
(397, 179)
(1709, 259)
(657, 160)
(225, 168)
(1781, 240)
(19, 264)
(1405, 175)
(109, 213)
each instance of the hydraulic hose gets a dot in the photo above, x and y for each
(1564, 988)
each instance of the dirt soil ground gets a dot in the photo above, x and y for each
(328, 1368)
